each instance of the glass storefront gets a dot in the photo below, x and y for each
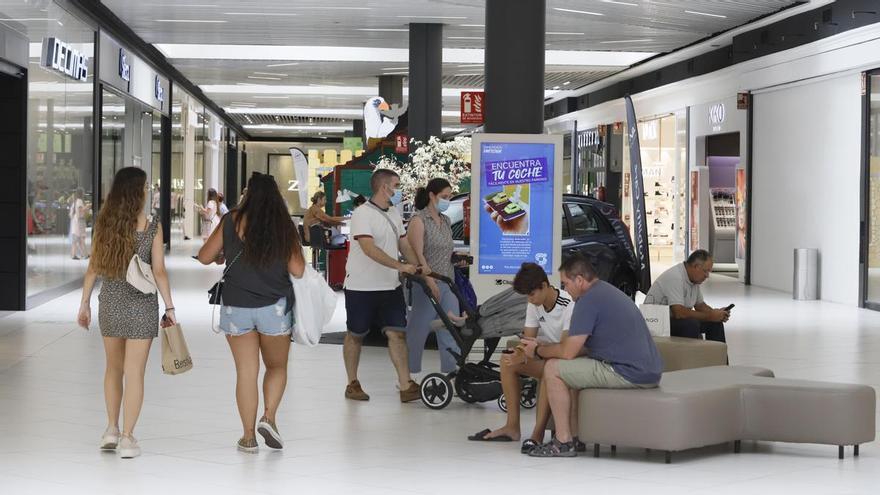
(60, 177)
(872, 200)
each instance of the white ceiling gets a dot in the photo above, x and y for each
(326, 69)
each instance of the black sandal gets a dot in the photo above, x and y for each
(480, 436)
(554, 449)
(528, 445)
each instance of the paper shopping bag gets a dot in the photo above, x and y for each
(657, 318)
(175, 354)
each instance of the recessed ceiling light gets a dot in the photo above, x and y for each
(565, 34)
(428, 17)
(625, 41)
(566, 83)
(382, 30)
(577, 11)
(191, 21)
(621, 3)
(555, 87)
(262, 14)
(271, 74)
(396, 74)
(465, 38)
(285, 64)
(265, 78)
(705, 14)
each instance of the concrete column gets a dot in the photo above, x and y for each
(391, 88)
(425, 80)
(515, 33)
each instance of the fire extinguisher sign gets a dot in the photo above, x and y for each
(472, 107)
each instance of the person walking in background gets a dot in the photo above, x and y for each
(316, 217)
(261, 249)
(221, 203)
(373, 293)
(209, 217)
(78, 226)
(430, 235)
(128, 318)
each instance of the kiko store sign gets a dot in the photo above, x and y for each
(62, 57)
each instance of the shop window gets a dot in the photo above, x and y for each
(583, 221)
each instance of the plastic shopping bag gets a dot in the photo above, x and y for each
(657, 319)
(314, 307)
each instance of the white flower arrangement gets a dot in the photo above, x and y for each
(449, 160)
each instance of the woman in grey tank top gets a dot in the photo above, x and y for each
(430, 235)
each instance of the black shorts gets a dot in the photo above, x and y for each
(386, 308)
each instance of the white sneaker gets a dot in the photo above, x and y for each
(110, 439)
(270, 433)
(128, 448)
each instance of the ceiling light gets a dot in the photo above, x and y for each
(621, 3)
(27, 19)
(566, 83)
(265, 78)
(555, 87)
(428, 17)
(325, 91)
(465, 38)
(396, 74)
(389, 56)
(263, 14)
(271, 74)
(270, 97)
(286, 64)
(396, 68)
(472, 25)
(705, 14)
(625, 41)
(577, 11)
(192, 21)
(566, 34)
(278, 127)
(382, 30)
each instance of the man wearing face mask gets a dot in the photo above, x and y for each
(430, 235)
(373, 292)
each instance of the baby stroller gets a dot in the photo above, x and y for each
(500, 316)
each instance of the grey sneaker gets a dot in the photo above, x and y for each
(270, 433)
(129, 448)
(248, 445)
(554, 448)
(110, 439)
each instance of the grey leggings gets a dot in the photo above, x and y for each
(419, 326)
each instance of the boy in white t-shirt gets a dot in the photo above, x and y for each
(548, 315)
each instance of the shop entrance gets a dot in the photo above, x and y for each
(131, 136)
(870, 256)
(723, 160)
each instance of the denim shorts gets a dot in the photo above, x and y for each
(269, 320)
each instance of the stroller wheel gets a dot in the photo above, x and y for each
(502, 403)
(436, 391)
(529, 397)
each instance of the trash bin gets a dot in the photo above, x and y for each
(806, 274)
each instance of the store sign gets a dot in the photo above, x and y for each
(63, 58)
(124, 67)
(472, 107)
(517, 214)
(717, 114)
(159, 92)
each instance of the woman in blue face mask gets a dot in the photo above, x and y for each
(430, 235)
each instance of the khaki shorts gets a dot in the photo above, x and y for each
(583, 372)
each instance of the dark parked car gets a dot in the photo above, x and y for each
(590, 227)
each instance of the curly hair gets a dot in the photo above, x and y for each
(114, 241)
(269, 234)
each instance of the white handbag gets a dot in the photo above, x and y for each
(657, 319)
(314, 307)
(140, 275)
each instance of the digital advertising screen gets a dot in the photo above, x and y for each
(517, 196)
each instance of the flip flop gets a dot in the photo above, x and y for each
(481, 437)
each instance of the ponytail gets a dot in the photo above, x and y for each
(423, 196)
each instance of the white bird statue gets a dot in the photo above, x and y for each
(377, 125)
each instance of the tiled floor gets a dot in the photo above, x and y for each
(52, 415)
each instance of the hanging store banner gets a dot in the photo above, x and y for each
(638, 189)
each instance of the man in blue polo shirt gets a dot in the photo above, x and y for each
(608, 346)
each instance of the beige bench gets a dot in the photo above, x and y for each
(680, 353)
(708, 406)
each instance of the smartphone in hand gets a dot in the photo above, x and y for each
(728, 308)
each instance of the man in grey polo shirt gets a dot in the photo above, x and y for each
(679, 288)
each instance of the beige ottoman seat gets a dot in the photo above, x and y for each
(680, 353)
(708, 406)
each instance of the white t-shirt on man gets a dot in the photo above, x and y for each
(362, 273)
(551, 324)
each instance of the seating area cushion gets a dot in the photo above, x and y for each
(681, 353)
